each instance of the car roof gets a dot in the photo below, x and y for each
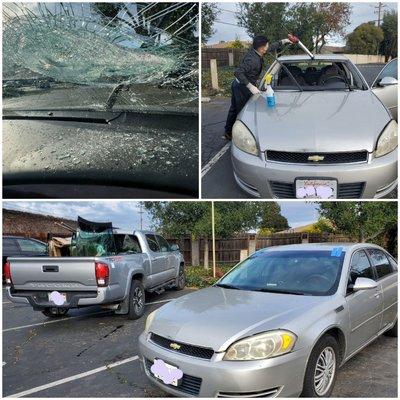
(319, 246)
(302, 57)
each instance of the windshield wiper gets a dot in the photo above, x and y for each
(226, 286)
(290, 75)
(279, 291)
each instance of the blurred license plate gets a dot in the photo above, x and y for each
(167, 373)
(58, 298)
(316, 189)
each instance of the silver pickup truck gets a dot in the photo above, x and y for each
(141, 262)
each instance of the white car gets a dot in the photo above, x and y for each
(385, 87)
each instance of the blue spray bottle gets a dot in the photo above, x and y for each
(270, 92)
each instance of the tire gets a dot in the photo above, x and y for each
(392, 332)
(328, 346)
(55, 312)
(137, 300)
(181, 280)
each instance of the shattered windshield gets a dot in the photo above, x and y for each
(96, 56)
(316, 75)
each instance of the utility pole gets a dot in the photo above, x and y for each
(379, 8)
(141, 215)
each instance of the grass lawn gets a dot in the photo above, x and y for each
(225, 78)
(199, 277)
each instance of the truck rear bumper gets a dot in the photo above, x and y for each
(39, 299)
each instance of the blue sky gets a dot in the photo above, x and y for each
(125, 214)
(361, 12)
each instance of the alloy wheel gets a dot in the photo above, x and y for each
(325, 369)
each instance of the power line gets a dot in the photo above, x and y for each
(378, 10)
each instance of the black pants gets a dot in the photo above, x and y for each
(240, 96)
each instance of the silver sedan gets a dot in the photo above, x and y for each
(328, 136)
(280, 323)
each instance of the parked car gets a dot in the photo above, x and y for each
(19, 246)
(386, 88)
(141, 262)
(280, 323)
(328, 135)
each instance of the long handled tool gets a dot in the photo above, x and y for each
(295, 39)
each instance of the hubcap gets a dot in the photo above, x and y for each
(138, 302)
(324, 371)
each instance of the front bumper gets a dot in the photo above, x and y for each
(281, 376)
(258, 177)
(39, 299)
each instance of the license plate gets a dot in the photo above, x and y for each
(58, 298)
(316, 189)
(169, 374)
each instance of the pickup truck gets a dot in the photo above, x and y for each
(142, 262)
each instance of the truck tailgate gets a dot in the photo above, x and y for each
(53, 273)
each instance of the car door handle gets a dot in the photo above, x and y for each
(377, 295)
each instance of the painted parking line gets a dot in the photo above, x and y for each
(215, 159)
(77, 316)
(73, 377)
(53, 322)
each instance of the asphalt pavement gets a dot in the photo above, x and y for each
(94, 353)
(217, 177)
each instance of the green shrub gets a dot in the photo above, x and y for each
(199, 277)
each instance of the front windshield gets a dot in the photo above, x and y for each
(312, 75)
(304, 272)
(120, 56)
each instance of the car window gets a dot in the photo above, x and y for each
(152, 242)
(164, 245)
(393, 263)
(316, 75)
(390, 70)
(380, 262)
(31, 246)
(10, 246)
(360, 267)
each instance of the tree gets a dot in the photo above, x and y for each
(323, 225)
(388, 46)
(236, 44)
(209, 13)
(365, 39)
(271, 218)
(193, 218)
(313, 22)
(365, 221)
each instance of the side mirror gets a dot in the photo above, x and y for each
(387, 81)
(364, 283)
(174, 247)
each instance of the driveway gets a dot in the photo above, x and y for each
(94, 353)
(217, 178)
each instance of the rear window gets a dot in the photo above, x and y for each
(31, 246)
(10, 246)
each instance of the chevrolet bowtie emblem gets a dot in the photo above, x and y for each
(316, 158)
(175, 346)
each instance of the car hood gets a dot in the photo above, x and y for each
(322, 121)
(216, 317)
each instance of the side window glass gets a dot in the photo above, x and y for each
(380, 262)
(164, 246)
(153, 244)
(393, 263)
(10, 246)
(389, 70)
(31, 246)
(360, 267)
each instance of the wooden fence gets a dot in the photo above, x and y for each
(227, 251)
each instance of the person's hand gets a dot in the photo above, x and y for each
(286, 41)
(253, 89)
(292, 38)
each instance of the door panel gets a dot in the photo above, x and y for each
(365, 306)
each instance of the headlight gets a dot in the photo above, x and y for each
(149, 320)
(261, 346)
(243, 138)
(387, 142)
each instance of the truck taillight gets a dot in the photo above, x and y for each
(102, 273)
(7, 273)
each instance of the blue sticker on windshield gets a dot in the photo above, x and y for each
(336, 252)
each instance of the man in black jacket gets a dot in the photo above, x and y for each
(246, 76)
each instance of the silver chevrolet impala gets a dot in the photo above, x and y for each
(280, 323)
(328, 136)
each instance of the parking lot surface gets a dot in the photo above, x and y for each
(217, 177)
(95, 354)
